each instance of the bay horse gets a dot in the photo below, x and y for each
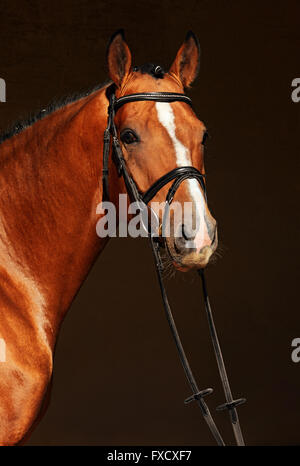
(51, 185)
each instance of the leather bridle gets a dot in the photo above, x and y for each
(177, 175)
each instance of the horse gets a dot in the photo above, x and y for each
(51, 185)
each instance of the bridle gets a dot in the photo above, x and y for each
(177, 175)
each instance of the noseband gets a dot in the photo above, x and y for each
(177, 175)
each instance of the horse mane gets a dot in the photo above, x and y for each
(19, 125)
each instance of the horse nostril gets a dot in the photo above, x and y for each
(214, 241)
(183, 233)
(186, 233)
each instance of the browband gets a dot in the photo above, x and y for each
(153, 96)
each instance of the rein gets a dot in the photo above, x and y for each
(179, 175)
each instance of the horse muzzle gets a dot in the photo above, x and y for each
(190, 252)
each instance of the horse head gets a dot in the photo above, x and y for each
(157, 137)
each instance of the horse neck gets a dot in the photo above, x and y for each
(50, 181)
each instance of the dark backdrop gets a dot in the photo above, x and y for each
(117, 378)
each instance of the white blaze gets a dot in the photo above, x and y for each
(166, 117)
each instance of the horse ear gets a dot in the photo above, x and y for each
(118, 57)
(187, 61)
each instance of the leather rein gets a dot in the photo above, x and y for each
(177, 175)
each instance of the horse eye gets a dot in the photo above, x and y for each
(205, 136)
(128, 136)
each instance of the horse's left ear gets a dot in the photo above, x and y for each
(187, 61)
(118, 57)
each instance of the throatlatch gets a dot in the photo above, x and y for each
(178, 175)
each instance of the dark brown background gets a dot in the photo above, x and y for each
(117, 378)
